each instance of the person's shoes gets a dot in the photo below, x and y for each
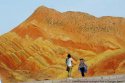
(70, 78)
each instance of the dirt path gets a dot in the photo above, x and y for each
(101, 79)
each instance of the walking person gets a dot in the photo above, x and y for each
(69, 63)
(82, 67)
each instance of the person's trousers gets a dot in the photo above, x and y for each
(69, 69)
(82, 71)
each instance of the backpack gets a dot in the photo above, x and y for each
(85, 68)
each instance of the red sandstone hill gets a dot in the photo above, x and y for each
(82, 30)
(37, 48)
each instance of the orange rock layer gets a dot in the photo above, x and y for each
(37, 48)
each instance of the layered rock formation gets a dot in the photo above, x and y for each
(37, 48)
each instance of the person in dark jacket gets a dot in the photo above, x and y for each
(82, 67)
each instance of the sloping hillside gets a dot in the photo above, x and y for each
(37, 48)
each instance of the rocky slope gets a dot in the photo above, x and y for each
(37, 48)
